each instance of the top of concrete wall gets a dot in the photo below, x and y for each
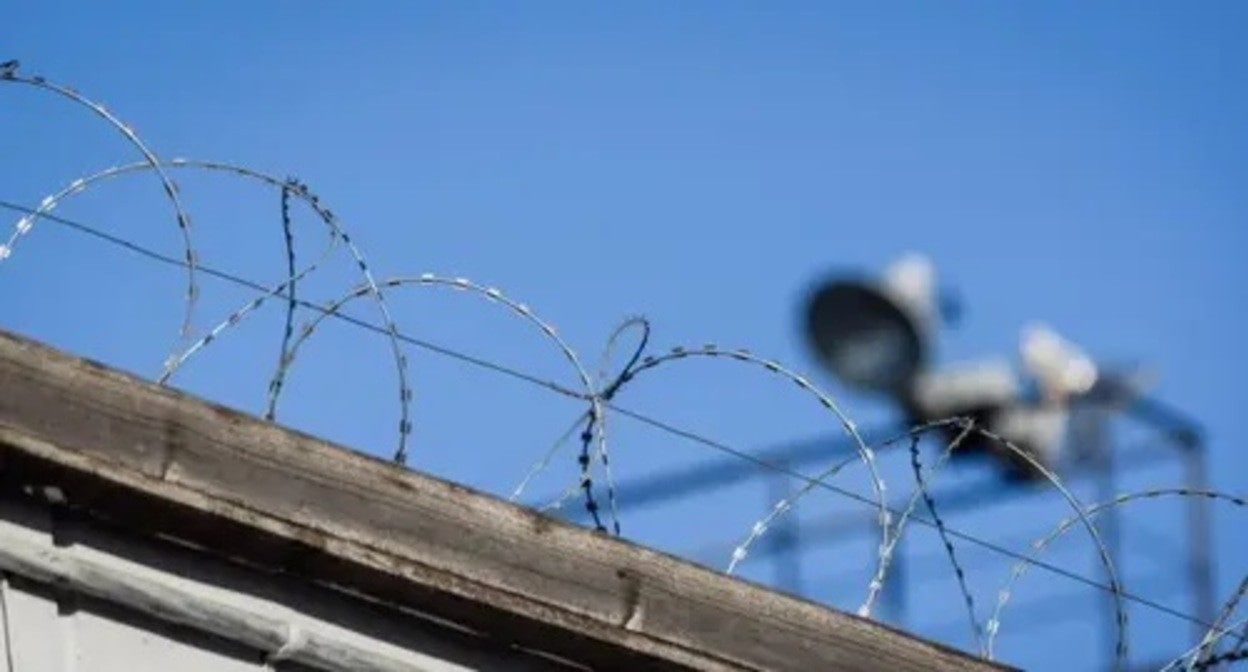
(163, 463)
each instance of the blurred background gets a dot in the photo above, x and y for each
(712, 167)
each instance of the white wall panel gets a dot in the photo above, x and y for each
(87, 598)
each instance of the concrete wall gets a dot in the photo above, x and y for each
(455, 579)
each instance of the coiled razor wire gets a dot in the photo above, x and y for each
(784, 505)
(599, 391)
(922, 488)
(1039, 545)
(9, 74)
(876, 585)
(1120, 611)
(288, 187)
(1115, 588)
(1205, 652)
(292, 296)
(1190, 659)
(608, 392)
(864, 452)
(1238, 655)
(493, 295)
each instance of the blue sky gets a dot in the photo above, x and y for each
(697, 163)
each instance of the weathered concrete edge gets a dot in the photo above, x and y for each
(96, 420)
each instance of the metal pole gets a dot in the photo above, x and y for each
(1092, 436)
(968, 497)
(659, 489)
(896, 586)
(784, 535)
(1200, 559)
(1188, 437)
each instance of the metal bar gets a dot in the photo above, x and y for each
(1200, 560)
(896, 589)
(1051, 609)
(1188, 437)
(785, 531)
(1090, 429)
(686, 482)
(951, 501)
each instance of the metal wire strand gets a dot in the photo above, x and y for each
(1189, 658)
(10, 75)
(1235, 656)
(292, 300)
(786, 504)
(337, 233)
(922, 488)
(177, 358)
(865, 453)
(544, 462)
(1041, 544)
(235, 279)
(876, 585)
(1228, 610)
(1113, 587)
(491, 294)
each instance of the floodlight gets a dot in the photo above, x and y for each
(872, 333)
(876, 334)
(1060, 368)
(989, 393)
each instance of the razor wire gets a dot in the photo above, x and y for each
(599, 390)
(9, 74)
(813, 481)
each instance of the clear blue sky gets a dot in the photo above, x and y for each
(699, 163)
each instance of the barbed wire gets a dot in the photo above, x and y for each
(10, 74)
(813, 482)
(1190, 658)
(921, 488)
(864, 452)
(292, 304)
(288, 186)
(876, 584)
(1235, 656)
(1205, 652)
(493, 295)
(240, 281)
(599, 392)
(1042, 543)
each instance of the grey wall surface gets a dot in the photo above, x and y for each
(77, 596)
